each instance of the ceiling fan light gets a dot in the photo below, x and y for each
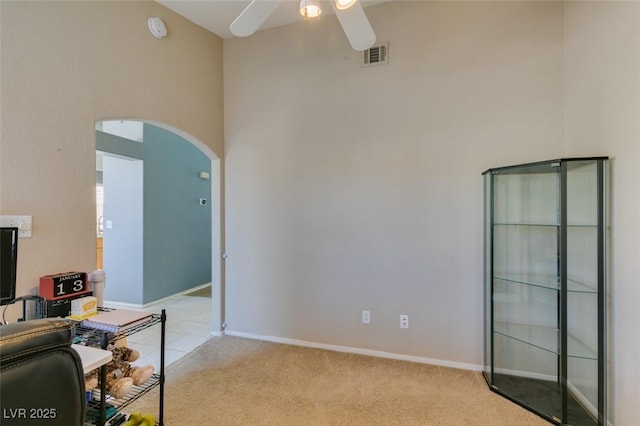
(344, 4)
(310, 8)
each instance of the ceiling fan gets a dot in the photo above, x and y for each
(350, 14)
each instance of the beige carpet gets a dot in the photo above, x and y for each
(234, 381)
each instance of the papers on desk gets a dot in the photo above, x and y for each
(116, 320)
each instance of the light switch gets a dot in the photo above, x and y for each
(109, 224)
(23, 223)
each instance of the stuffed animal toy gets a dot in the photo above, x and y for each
(91, 380)
(121, 375)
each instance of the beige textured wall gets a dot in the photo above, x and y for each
(354, 188)
(66, 65)
(602, 116)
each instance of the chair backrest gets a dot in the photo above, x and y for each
(41, 376)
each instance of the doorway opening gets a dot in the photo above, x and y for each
(172, 217)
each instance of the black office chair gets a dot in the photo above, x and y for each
(41, 376)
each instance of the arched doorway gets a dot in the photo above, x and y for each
(213, 200)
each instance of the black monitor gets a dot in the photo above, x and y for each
(8, 264)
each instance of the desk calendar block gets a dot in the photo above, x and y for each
(63, 286)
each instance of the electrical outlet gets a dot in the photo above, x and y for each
(366, 317)
(404, 321)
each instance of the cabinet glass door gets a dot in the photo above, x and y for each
(585, 284)
(526, 277)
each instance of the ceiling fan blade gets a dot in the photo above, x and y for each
(356, 26)
(252, 17)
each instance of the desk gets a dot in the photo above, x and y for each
(93, 358)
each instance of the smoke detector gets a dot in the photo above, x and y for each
(157, 27)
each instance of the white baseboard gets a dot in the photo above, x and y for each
(583, 400)
(122, 305)
(526, 374)
(359, 351)
(113, 304)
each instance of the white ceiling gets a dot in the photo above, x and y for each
(217, 15)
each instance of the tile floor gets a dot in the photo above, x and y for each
(188, 326)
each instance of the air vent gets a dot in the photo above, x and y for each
(377, 55)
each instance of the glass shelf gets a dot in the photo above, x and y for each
(525, 224)
(549, 282)
(545, 338)
(574, 225)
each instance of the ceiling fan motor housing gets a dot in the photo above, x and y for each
(350, 14)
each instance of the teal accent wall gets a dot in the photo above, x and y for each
(177, 229)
